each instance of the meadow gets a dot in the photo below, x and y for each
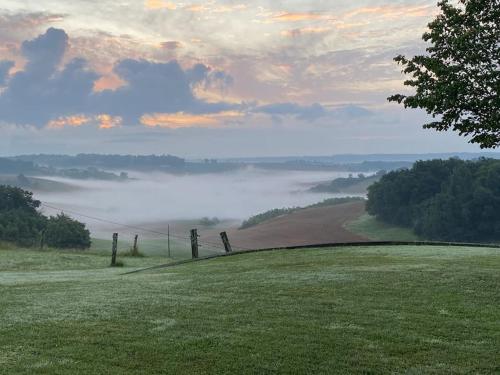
(369, 227)
(400, 309)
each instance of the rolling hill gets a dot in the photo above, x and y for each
(407, 309)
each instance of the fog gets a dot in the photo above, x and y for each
(161, 197)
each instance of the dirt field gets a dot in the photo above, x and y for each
(309, 226)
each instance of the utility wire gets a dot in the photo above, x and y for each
(113, 222)
(202, 242)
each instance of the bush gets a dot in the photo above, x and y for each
(64, 232)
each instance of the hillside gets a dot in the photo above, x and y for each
(356, 310)
(348, 185)
(36, 184)
(306, 226)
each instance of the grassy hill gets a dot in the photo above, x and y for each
(376, 230)
(349, 310)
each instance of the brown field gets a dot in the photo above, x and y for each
(304, 227)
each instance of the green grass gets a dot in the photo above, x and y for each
(369, 227)
(150, 247)
(377, 310)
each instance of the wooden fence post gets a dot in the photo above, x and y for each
(42, 239)
(135, 250)
(168, 239)
(225, 241)
(114, 249)
(194, 243)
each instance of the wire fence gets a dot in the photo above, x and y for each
(168, 243)
(177, 246)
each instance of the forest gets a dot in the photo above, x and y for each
(445, 200)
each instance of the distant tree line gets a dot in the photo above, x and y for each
(22, 223)
(445, 200)
(8, 166)
(105, 161)
(345, 184)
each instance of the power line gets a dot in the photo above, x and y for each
(202, 242)
(113, 222)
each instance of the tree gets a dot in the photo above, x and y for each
(446, 200)
(20, 221)
(64, 232)
(458, 80)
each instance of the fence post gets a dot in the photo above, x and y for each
(134, 249)
(114, 249)
(225, 241)
(168, 239)
(42, 239)
(194, 243)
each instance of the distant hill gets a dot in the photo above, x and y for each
(360, 158)
(35, 184)
(348, 185)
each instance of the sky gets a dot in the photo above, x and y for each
(218, 78)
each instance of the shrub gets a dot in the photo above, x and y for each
(64, 232)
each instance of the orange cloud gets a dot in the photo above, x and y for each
(184, 120)
(107, 121)
(75, 121)
(196, 8)
(160, 4)
(295, 17)
(393, 11)
(108, 82)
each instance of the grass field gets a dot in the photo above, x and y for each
(409, 310)
(147, 247)
(369, 227)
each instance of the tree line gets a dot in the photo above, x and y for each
(22, 223)
(444, 200)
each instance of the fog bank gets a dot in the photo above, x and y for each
(163, 197)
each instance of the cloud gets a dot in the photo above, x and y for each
(160, 4)
(350, 112)
(5, 67)
(42, 91)
(27, 21)
(134, 92)
(177, 120)
(296, 17)
(46, 92)
(61, 122)
(104, 121)
(310, 113)
(45, 52)
(394, 11)
(108, 121)
(294, 33)
(153, 87)
(171, 45)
